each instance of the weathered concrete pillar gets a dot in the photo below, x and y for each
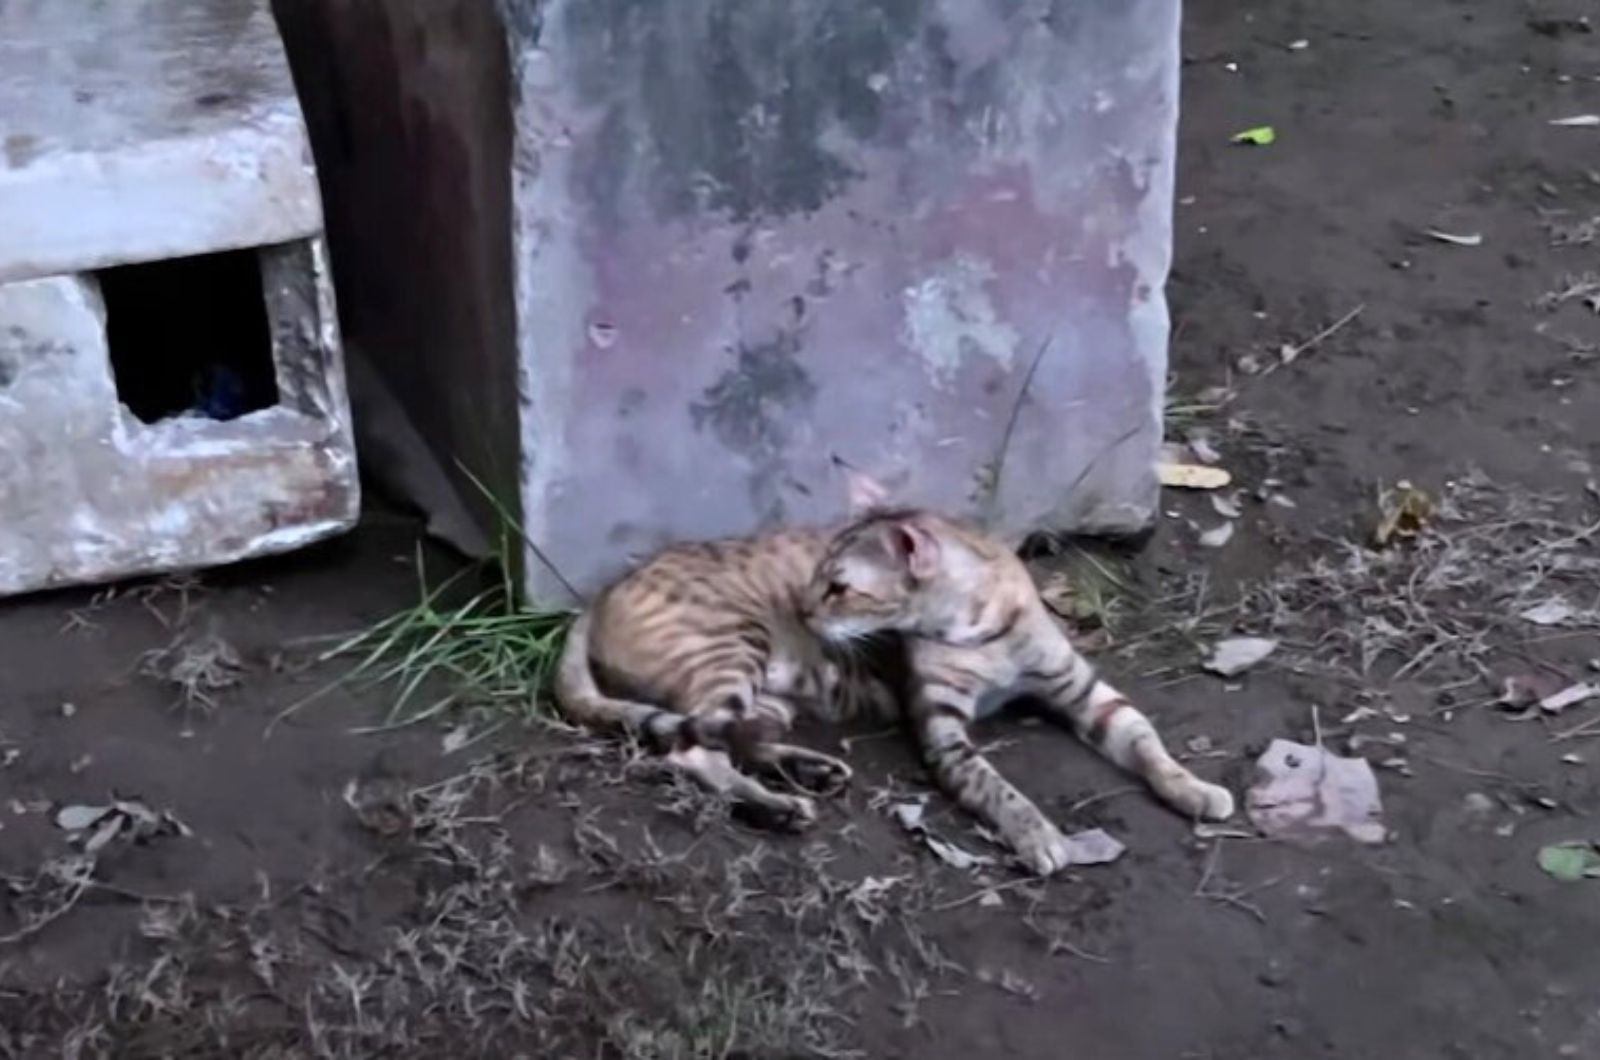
(748, 236)
(171, 390)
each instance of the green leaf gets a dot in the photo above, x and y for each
(1570, 862)
(1260, 136)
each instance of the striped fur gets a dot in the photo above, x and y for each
(709, 650)
(702, 653)
(978, 634)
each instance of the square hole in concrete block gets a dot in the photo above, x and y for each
(190, 335)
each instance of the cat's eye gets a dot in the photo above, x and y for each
(834, 590)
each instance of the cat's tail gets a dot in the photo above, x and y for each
(584, 703)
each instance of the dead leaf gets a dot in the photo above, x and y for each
(108, 829)
(1199, 442)
(1304, 791)
(1552, 612)
(1520, 691)
(1192, 476)
(954, 856)
(1227, 507)
(77, 818)
(124, 817)
(1404, 512)
(1217, 536)
(1568, 697)
(1237, 654)
(910, 816)
(1473, 240)
(1094, 846)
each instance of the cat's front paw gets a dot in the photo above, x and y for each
(1043, 849)
(1216, 802)
(1196, 799)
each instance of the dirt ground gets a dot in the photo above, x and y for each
(533, 895)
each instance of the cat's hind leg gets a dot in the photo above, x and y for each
(715, 770)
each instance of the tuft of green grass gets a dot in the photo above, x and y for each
(1100, 582)
(1180, 413)
(489, 650)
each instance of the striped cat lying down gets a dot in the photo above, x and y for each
(707, 652)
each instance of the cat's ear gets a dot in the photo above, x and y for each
(914, 546)
(865, 493)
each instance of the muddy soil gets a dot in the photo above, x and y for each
(531, 895)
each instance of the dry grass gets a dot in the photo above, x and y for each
(1436, 607)
(1440, 605)
(1580, 287)
(1567, 230)
(198, 666)
(618, 944)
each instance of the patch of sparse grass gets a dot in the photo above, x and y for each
(626, 945)
(1437, 606)
(1443, 602)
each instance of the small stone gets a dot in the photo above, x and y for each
(1273, 974)
(68, 709)
(1477, 803)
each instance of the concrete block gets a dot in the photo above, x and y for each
(747, 237)
(146, 129)
(167, 399)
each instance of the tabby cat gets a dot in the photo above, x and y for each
(709, 650)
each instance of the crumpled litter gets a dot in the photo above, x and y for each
(1306, 792)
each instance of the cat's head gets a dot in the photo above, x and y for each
(895, 570)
